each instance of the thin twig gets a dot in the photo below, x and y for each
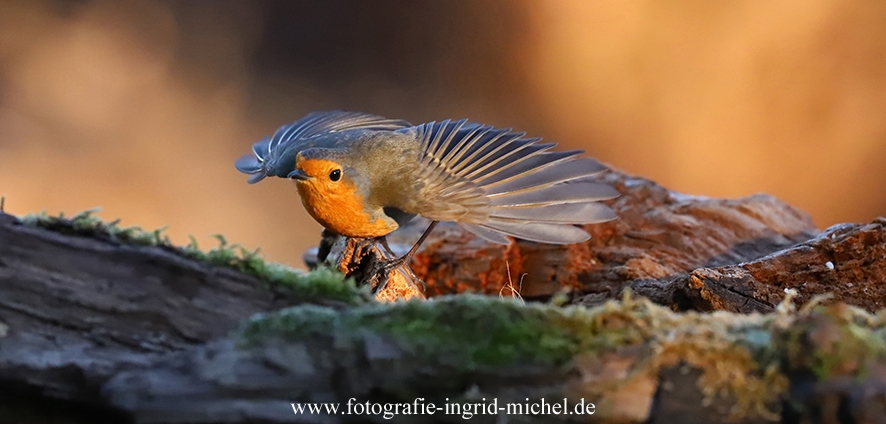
(510, 285)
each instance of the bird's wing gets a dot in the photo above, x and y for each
(496, 183)
(287, 138)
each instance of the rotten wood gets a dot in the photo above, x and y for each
(846, 262)
(364, 260)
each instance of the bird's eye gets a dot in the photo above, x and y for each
(335, 175)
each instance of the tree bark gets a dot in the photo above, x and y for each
(846, 263)
(76, 309)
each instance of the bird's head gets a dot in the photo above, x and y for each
(319, 172)
(335, 194)
(326, 173)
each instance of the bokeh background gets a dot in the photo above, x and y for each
(141, 107)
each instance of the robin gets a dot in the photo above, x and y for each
(364, 176)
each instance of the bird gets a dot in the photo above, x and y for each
(363, 176)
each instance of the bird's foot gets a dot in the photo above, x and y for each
(383, 269)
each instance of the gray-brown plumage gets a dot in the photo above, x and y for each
(493, 182)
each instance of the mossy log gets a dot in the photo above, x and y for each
(635, 361)
(145, 332)
(80, 299)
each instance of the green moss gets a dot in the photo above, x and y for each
(86, 223)
(469, 330)
(297, 322)
(835, 341)
(319, 284)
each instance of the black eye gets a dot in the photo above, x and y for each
(335, 175)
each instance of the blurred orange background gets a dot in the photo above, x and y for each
(141, 107)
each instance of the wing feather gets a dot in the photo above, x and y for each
(540, 232)
(291, 138)
(552, 173)
(563, 213)
(496, 183)
(489, 234)
(584, 191)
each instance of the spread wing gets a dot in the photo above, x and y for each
(275, 155)
(495, 183)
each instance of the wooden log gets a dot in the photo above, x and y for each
(75, 308)
(633, 360)
(847, 262)
(363, 260)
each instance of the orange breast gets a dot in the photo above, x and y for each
(340, 208)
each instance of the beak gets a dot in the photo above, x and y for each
(298, 174)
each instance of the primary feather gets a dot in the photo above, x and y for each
(503, 184)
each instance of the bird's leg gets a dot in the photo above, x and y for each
(384, 242)
(391, 265)
(405, 259)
